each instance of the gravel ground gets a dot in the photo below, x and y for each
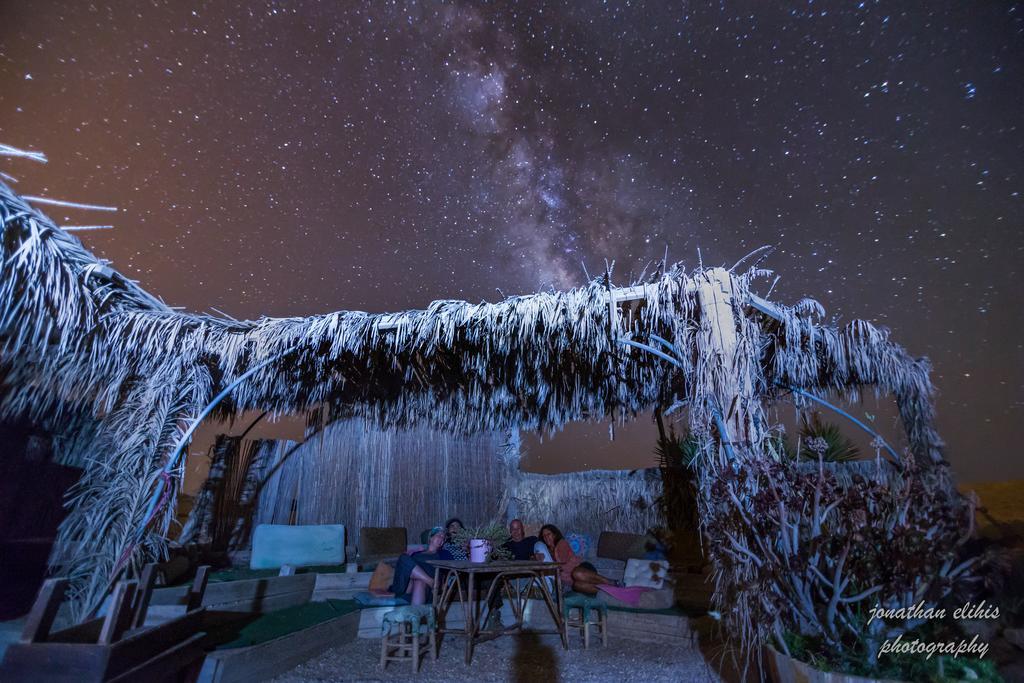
(522, 659)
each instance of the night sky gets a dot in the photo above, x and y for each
(289, 158)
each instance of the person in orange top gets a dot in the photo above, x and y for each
(577, 574)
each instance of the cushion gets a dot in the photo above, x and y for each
(620, 546)
(613, 569)
(648, 573)
(649, 600)
(276, 544)
(581, 544)
(382, 577)
(387, 541)
(370, 600)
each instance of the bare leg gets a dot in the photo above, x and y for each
(420, 575)
(585, 575)
(585, 587)
(419, 592)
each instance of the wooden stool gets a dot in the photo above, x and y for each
(412, 622)
(586, 604)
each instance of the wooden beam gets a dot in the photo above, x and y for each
(44, 611)
(143, 595)
(195, 595)
(617, 295)
(119, 613)
(733, 389)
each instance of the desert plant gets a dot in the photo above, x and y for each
(820, 440)
(801, 555)
(496, 533)
(677, 454)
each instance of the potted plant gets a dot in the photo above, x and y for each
(485, 542)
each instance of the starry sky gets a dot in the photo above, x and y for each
(290, 158)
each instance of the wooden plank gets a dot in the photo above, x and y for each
(159, 614)
(143, 595)
(143, 645)
(119, 613)
(87, 632)
(54, 662)
(170, 595)
(233, 591)
(198, 590)
(342, 586)
(391, 321)
(44, 611)
(250, 595)
(169, 664)
(658, 627)
(263, 603)
(263, 661)
(358, 580)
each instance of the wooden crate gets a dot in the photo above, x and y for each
(115, 647)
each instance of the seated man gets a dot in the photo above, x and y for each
(414, 574)
(520, 545)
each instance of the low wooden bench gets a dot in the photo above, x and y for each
(116, 647)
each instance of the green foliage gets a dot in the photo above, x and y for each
(678, 455)
(677, 450)
(823, 440)
(901, 667)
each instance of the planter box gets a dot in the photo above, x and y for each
(784, 669)
(266, 660)
(250, 595)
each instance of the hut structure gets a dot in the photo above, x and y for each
(356, 473)
(120, 378)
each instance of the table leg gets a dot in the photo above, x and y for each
(435, 597)
(558, 605)
(469, 608)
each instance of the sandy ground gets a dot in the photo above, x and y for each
(522, 659)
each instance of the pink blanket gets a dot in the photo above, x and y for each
(627, 594)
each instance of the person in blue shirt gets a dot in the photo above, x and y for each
(414, 575)
(520, 545)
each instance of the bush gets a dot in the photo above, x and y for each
(802, 558)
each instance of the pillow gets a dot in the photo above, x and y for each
(382, 577)
(620, 546)
(382, 541)
(301, 546)
(580, 543)
(649, 573)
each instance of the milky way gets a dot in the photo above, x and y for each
(292, 158)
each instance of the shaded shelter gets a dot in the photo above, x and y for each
(118, 376)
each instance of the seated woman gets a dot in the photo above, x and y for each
(458, 550)
(414, 574)
(575, 573)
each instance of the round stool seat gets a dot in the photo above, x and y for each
(585, 603)
(419, 617)
(416, 634)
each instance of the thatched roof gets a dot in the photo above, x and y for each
(82, 332)
(117, 372)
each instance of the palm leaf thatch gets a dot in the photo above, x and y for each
(116, 374)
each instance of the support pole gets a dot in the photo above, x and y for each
(727, 373)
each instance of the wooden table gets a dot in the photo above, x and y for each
(460, 584)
